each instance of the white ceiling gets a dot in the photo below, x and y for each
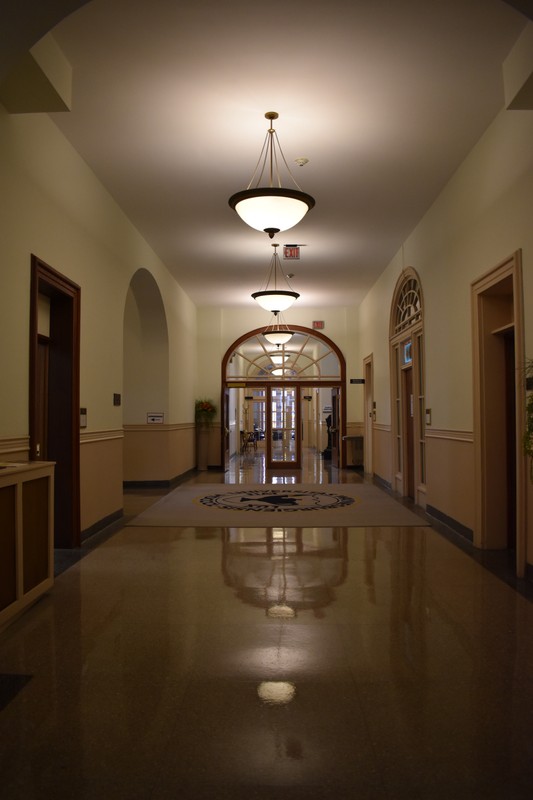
(385, 98)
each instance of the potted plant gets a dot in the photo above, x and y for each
(204, 414)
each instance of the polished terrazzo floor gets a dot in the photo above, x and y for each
(278, 664)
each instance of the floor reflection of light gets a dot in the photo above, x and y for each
(281, 611)
(276, 692)
(259, 662)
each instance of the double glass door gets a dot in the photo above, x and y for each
(279, 419)
(283, 427)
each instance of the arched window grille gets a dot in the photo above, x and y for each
(408, 306)
(304, 358)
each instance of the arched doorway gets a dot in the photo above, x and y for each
(408, 388)
(284, 398)
(146, 381)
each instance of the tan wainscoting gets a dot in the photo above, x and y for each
(154, 453)
(100, 476)
(213, 453)
(450, 474)
(354, 429)
(15, 449)
(382, 452)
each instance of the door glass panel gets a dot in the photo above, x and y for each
(283, 424)
(259, 415)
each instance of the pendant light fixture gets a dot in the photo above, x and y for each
(278, 332)
(272, 208)
(271, 298)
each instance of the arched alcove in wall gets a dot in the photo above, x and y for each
(146, 367)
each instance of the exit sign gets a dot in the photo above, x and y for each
(291, 252)
(318, 324)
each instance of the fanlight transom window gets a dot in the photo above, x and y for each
(304, 357)
(408, 306)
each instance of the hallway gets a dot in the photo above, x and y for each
(269, 663)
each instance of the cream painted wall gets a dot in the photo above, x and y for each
(481, 217)
(61, 213)
(374, 319)
(54, 207)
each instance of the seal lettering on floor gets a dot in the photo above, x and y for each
(271, 499)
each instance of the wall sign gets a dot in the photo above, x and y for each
(155, 418)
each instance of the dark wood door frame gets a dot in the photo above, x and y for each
(63, 421)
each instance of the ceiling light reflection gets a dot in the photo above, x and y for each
(276, 693)
(281, 611)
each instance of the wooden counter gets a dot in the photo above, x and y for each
(26, 535)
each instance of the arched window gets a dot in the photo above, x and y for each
(408, 305)
(305, 357)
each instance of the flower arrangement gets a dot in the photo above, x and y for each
(204, 412)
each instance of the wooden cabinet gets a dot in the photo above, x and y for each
(26, 535)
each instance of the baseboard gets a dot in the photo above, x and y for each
(381, 482)
(161, 484)
(146, 484)
(105, 522)
(456, 527)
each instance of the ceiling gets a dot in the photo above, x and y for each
(384, 98)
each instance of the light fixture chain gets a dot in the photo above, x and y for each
(285, 162)
(263, 155)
